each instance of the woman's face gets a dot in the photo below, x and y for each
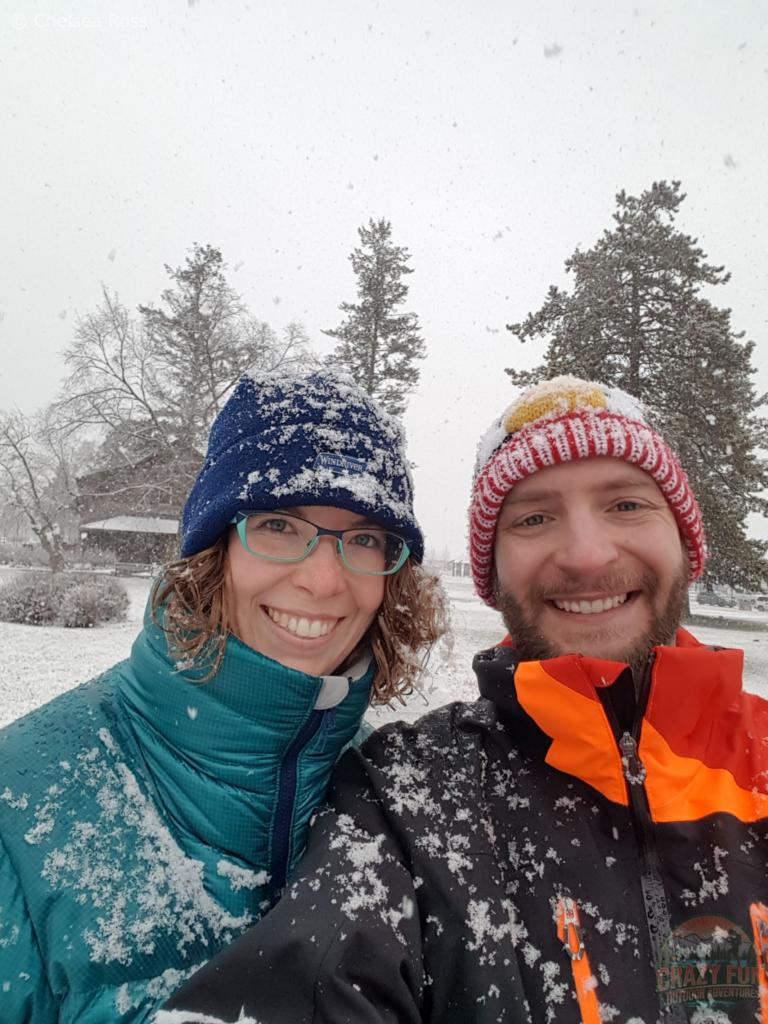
(268, 600)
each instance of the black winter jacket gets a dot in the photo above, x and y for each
(547, 853)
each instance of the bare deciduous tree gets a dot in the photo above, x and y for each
(38, 462)
(115, 384)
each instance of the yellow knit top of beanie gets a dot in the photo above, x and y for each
(559, 395)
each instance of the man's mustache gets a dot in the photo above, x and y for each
(606, 583)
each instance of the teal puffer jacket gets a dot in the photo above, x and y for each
(147, 819)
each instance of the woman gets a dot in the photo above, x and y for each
(150, 816)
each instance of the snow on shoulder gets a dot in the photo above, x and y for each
(189, 1017)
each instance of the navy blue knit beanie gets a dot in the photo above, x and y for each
(285, 440)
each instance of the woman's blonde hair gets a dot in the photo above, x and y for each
(189, 602)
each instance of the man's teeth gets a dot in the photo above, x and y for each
(301, 627)
(588, 607)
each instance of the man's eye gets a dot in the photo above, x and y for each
(628, 506)
(535, 520)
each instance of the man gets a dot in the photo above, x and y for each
(587, 842)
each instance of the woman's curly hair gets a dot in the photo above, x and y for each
(189, 602)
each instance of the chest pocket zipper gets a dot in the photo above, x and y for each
(570, 933)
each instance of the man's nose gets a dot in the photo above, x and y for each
(586, 545)
(322, 572)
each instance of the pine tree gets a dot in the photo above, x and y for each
(197, 335)
(206, 339)
(379, 346)
(636, 319)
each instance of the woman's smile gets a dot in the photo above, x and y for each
(300, 625)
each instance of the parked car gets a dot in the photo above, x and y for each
(707, 597)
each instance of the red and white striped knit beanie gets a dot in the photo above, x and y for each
(558, 421)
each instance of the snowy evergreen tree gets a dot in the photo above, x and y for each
(636, 319)
(206, 339)
(379, 346)
(147, 383)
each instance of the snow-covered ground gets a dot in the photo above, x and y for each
(39, 662)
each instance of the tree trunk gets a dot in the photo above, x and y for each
(51, 543)
(57, 561)
(635, 338)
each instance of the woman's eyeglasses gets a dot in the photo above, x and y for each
(283, 537)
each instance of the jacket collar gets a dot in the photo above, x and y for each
(712, 674)
(212, 753)
(252, 707)
(555, 710)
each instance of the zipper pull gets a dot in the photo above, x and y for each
(570, 933)
(326, 727)
(634, 769)
(569, 928)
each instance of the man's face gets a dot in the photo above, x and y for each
(589, 560)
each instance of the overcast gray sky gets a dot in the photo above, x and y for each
(493, 134)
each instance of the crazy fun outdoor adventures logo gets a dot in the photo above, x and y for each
(708, 962)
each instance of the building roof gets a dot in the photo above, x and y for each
(134, 524)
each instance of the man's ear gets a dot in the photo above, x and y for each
(686, 557)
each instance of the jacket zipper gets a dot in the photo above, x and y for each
(286, 799)
(652, 886)
(571, 934)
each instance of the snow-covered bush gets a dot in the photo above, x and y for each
(33, 599)
(92, 602)
(23, 554)
(91, 555)
(40, 599)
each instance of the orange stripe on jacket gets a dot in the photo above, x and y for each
(686, 789)
(698, 706)
(582, 740)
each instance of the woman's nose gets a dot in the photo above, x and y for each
(322, 572)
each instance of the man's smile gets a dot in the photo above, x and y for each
(590, 606)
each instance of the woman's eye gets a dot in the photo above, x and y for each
(276, 525)
(271, 525)
(366, 540)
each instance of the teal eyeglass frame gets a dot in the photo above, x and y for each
(239, 521)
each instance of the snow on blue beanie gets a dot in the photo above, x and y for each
(284, 440)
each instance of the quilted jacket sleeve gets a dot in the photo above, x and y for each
(343, 944)
(25, 996)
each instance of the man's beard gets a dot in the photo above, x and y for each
(534, 646)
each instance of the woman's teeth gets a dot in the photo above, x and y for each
(301, 627)
(589, 607)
